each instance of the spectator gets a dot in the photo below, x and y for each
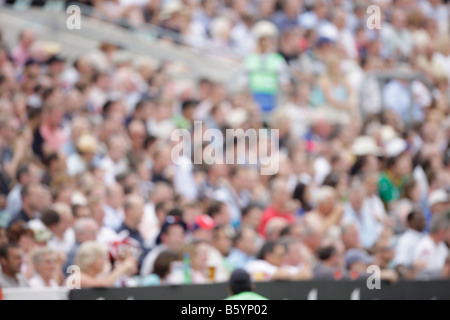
(171, 237)
(244, 247)
(350, 236)
(31, 201)
(22, 52)
(431, 251)
(218, 211)
(330, 264)
(91, 258)
(240, 287)
(11, 261)
(59, 221)
(45, 262)
(86, 229)
(279, 206)
(407, 244)
(162, 270)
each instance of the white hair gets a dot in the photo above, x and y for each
(88, 253)
(323, 194)
(40, 253)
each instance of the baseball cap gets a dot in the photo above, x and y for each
(170, 221)
(357, 255)
(204, 222)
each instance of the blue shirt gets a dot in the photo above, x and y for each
(366, 223)
(238, 259)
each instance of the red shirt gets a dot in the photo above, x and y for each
(271, 213)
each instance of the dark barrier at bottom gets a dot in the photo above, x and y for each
(279, 290)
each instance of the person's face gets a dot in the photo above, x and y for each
(248, 242)
(371, 184)
(13, 261)
(386, 251)
(403, 166)
(83, 212)
(294, 254)
(276, 257)
(351, 238)
(46, 268)
(223, 243)
(356, 199)
(200, 259)
(175, 237)
(34, 197)
(327, 206)
(224, 216)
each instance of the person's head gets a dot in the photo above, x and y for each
(20, 233)
(312, 236)
(188, 109)
(86, 229)
(293, 248)
(245, 240)
(370, 181)
(273, 252)
(204, 228)
(416, 221)
(358, 260)
(219, 212)
(31, 198)
(137, 133)
(198, 252)
(274, 227)
(325, 197)
(222, 240)
(27, 173)
(350, 236)
(45, 262)
(117, 147)
(411, 191)
(26, 38)
(384, 251)
(115, 196)
(163, 263)
(11, 258)
(302, 193)
(91, 258)
(356, 196)
(400, 165)
(81, 211)
(329, 255)
(52, 220)
(173, 232)
(439, 228)
(251, 216)
(279, 193)
(239, 282)
(134, 209)
(438, 201)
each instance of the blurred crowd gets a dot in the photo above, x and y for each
(88, 179)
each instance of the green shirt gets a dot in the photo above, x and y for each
(247, 295)
(389, 189)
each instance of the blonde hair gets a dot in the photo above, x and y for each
(88, 253)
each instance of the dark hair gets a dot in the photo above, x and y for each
(17, 230)
(325, 253)
(22, 169)
(4, 249)
(240, 281)
(214, 208)
(299, 194)
(268, 247)
(189, 104)
(161, 267)
(332, 179)
(50, 217)
(249, 208)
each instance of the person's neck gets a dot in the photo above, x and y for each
(130, 225)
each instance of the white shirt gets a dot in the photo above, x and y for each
(432, 254)
(106, 235)
(149, 260)
(37, 282)
(112, 169)
(261, 269)
(406, 246)
(65, 244)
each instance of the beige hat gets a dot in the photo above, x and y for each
(387, 133)
(437, 196)
(366, 145)
(236, 117)
(265, 29)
